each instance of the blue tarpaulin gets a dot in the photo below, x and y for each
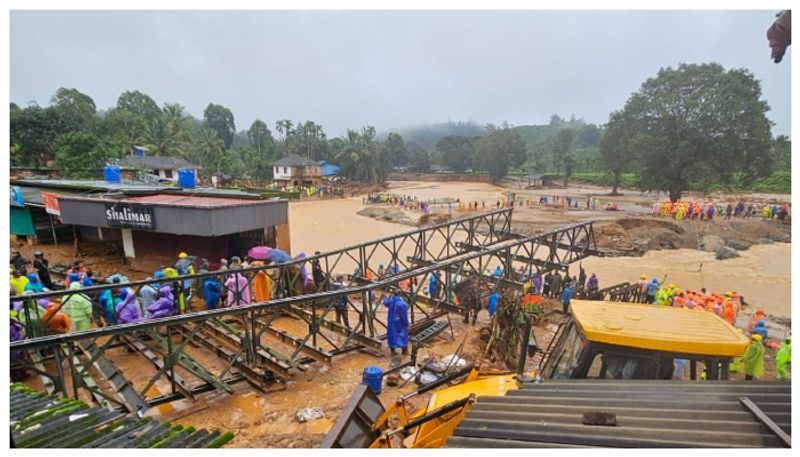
(329, 169)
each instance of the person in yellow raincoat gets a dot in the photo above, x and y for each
(753, 358)
(262, 287)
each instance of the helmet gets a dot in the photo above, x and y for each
(760, 311)
(38, 254)
(643, 277)
(671, 286)
(183, 255)
(755, 337)
(729, 294)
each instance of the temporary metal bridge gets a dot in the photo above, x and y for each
(264, 342)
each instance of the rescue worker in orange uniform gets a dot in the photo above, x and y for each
(55, 321)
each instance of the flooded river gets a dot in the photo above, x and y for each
(762, 274)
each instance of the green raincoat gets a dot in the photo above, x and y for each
(782, 359)
(753, 359)
(79, 309)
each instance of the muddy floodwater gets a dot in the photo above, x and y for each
(762, 274)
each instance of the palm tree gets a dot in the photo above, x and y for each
(158, 139)
(209, 150)
(285, 127)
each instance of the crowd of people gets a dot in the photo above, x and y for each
(708, 211)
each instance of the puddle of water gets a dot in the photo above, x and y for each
(249, 404)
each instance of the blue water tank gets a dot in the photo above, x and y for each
(373, 377)
(138, 151)
(186, 179)
(111, 174)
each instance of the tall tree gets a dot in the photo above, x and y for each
(260, 137)
(782, 152)
(420, 159)
(76, 109)
(82, 155)
(284, 126)
(161, 140)
(220, 119)
(33, 132)
(122, 128)
(619, 145)
(700, 125)
(456, 152)
(396, 149)
(561, 146)
(209, 151)
(139, 104)
(500, 149)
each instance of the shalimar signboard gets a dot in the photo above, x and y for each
(130, 216)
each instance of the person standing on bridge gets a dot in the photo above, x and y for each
(782, 360)
(592, 284)
(566, 297)
(555, 287)
(238, 290)
(548, 282)
(396, 323)
(340, 303)
(78, 307)
(212, 291)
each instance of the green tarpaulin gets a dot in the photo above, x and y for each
(21, 222)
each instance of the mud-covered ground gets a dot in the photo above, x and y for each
(656, 245)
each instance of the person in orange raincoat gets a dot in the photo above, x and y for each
(262, 289)
(727, 311)
(759, 315)
(55, 321)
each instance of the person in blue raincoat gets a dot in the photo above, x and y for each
(211, 292)
(433, 286)
(497, 272)
(566, 297)
(491, 303)
(396, 323)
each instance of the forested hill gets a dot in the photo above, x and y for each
(426, 135)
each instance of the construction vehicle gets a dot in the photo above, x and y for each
(600, 343)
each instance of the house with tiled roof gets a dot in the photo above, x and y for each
(294, 170)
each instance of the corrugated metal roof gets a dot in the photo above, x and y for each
(658, 328)
(181, 200)
(187, 200)
(157, 162)
(648, 414)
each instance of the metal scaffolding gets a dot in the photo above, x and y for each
(263, 342)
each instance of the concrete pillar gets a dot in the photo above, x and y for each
(284, 242)
(127, 244)
(100, 233)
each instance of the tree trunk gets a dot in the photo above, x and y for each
(674, 195)
(616, 184)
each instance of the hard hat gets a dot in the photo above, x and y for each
(760, 311)
(671, 286)
(729, 294)
(183, 255)
(38, 254)
(643, 277)
(755, 337)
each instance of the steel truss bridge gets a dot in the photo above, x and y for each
(265, 342)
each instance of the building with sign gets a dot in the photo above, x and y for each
(162, 225)
(150, 221)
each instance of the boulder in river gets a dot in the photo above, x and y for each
(764, 241)
(726, 252)
(739, 245)
(711, 243)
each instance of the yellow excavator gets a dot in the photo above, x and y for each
(608, 342)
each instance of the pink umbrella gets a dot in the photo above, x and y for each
(259, 252)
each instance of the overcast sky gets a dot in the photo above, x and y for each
(387, 69)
